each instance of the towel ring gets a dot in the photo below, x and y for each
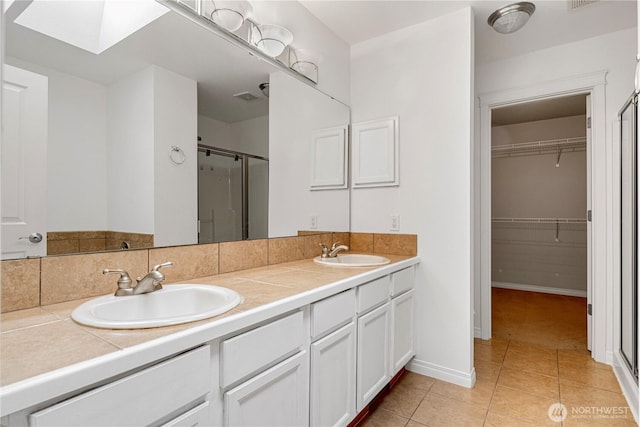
(176, 155)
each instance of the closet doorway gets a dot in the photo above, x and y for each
(539, 222)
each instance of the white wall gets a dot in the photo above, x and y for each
(175, 186)
(428, 83)
(295, 111)
(310, 33)
(614, 52)
(247, 136)
(77, 130)
(130, 156)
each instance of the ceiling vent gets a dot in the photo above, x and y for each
(574, 4)
(246, 96)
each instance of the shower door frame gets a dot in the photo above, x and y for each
(203, 148)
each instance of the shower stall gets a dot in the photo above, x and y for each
(233, 190)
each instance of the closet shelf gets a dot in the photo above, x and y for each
(553, 146)
(542, 220)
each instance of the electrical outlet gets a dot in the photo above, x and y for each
(395, 222)
(314, 222)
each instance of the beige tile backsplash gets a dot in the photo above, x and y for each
(20, 284)
(188, 261)
(65, 278)
(31, 283)
(242, 255)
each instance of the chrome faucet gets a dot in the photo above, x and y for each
(337, 247)
(149, 283)
(152, 281)
(333, 252)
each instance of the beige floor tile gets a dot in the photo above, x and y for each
(580, 359)
(574, 394)
(592, 376)
(520, 404)
(412, 423)
(498, 420)
(598, 420)
(533, 350)
(538, 384)
(403, 400)
(479, 395)
(382, 418)
(489, 354)
(487, 371)
(415, 380)
(533, 363)
(436, 410)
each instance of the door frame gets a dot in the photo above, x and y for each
(590, 84)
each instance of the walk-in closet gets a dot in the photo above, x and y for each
(539, 203)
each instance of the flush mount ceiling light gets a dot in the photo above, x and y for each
(511, 18)
(229, 14)
(95, 25)
(271, 39)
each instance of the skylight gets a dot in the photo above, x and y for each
(92, 25)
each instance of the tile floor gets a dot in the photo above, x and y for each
(537, 357)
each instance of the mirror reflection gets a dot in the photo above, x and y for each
(126, 134)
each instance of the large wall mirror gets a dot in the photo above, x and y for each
(165, 138)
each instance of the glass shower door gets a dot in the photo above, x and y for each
(220, 198)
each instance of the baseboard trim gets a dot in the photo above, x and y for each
(627, 384)
(541, 289)
(477, 332)
(442, 373)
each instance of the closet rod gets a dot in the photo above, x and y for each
(555, 146)
(541, 220)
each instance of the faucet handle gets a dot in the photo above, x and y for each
(325, 250)
(164, 264)
(124, 282)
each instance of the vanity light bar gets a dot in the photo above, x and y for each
(183, 8)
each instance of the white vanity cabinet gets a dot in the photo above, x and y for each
(402, 313)
(172, 393)
(333, 361)
(374, 318)
(278, 397)
(264, 375)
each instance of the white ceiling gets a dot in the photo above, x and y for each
(553, 22)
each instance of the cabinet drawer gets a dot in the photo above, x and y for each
(260, 348)
(198, 416)
(402, 281)
(139, 399)
(332, 312)
(372, 294)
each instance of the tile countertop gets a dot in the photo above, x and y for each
(44, 346)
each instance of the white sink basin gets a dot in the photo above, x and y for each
(353, 260)
(172, 305)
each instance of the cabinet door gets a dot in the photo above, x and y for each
(277, 397)
(373, 354)
(402, 331)
(333, 378)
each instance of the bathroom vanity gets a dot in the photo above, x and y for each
(315, 357)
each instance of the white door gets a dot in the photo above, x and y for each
(333, 378)
(373, 354)
(279, 397)
(24, 163)
(589, 314)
